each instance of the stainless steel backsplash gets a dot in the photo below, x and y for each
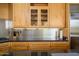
(39, 34)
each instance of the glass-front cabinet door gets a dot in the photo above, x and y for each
(39, 15)
(44, 18)
(34, 17)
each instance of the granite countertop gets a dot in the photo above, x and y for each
(37, 40)
(3, 41)
(64, 39)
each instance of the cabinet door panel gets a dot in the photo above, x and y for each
(39, 16)
(44, 17)
(57, 15)
(39, 46)
(16, 46)
(19, 15)
(4, 11)
(59, 46)
(4, 47)
(34, 17)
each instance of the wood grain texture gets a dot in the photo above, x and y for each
(10, 9)
(33, 46)
(4, 47)
(19, 15)
(57, 15)
(39, 46)
(17, 46)
(4, 11)
(62, 46)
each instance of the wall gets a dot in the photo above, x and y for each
(3, 30)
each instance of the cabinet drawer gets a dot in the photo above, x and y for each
(39, 46)
(19, 45)
(59, 45)
(4, 47)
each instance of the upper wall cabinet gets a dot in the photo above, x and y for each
(10, 9)
(39, 15)
(20, 14)
(4, 11)
(57, 15)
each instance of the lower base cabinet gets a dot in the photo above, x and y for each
(4, 48)
(18, 46)
(39, 46)
(59, 46)
(49, 46)
(34, 47)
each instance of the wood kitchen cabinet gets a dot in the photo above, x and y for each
(49, 46)
(19, 46)
(59, 46)
(4, 48)
(57, 15)
(20, 15)
(34, 47)
(39, 46)
(51, 15)
(10, 9)
(4, 11)
(30, 46)
(39, 15)
(25, 15)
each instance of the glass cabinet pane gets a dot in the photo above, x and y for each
(34, 17)
(44, 16)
